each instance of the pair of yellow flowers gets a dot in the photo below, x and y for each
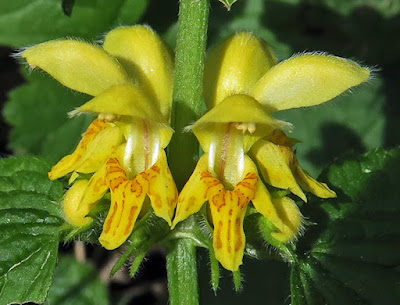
(131, 79)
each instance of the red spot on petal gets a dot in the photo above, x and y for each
(229, 237)
(107, 225)
(155, 168)
(239, 242)
(136, 188)
(219, 231)
(130, 220)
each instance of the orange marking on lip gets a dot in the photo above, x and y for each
(130, 219)
(239, 243)
(113, 160)
(219, 231)
(243, 201)
(251, 176)
(157, 200)
(206, 174)
(146, 176)
(136, 188)
(156, 169)
(116, 182)
(190, 203)
(109, 220)
(98, 184)
(114, 169)
(246, 184)
(219, 201)
(229, 236)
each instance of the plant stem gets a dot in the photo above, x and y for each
(188, 86)
(184, 148)
(182, 273)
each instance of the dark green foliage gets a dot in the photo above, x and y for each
(30, 218)
(352, 253)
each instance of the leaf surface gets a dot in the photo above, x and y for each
(30, 218)
(351, 255)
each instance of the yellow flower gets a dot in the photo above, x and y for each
(243, 85)
(131, 79)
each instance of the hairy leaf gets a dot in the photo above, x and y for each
(30, 217)
(352, 254)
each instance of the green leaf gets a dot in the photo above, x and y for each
(76, 283)
(89, 20)
(30, 217)
(352, 254)
(38, 112)
(67, 6)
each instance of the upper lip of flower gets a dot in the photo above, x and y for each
(122, 63)
(303, 80)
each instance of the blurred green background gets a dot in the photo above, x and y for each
(35, 106)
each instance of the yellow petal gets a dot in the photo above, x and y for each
(78, 65)
(274, 163)
(98, 185)
(127, 198)
(76, 215)
(280, 138)
(193, 194)
(161, 188)
(99, 150)
(235, 66)
(124, 100)
(238, 109)
(284, 144)
(69, 163)
(309, 184)
(95, 189)
(307, 80)
(228, 209)
(73, 177)
(146, 58)
(272, 209)
(290, 215)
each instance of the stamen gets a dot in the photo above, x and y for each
(249, 127)
(109, 117)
